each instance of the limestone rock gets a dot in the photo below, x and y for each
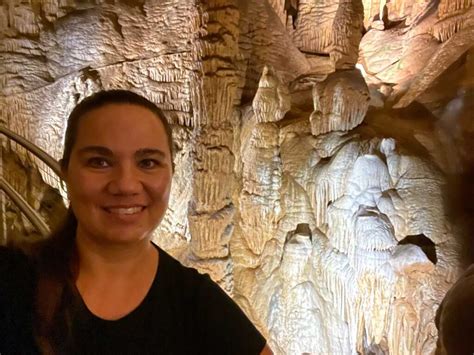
(340, 102)
(363, 260)
(274, 48)
(454, 15)
(330, 28)
(272, 99)
(442, 58)
(331, 231)
(374, 11)
(261, 183)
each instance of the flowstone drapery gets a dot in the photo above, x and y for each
(352, 258)
(310, 146)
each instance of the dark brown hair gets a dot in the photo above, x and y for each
(101, 99)
(55, 257)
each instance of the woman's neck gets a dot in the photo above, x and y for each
(115, 259)
(113, 280)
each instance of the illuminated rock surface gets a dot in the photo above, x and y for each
(313, 140)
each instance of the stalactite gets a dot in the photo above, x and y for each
(340, 103)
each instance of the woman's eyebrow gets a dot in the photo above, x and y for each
(150, 151)
(96, 149)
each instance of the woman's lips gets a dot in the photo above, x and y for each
(124, 210)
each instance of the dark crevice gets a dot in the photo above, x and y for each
(291, 8)
(301, 229)
(324, 161)
(425, 243)
(315, 54)
(91, 74)
(114, 19)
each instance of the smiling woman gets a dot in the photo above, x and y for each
(99, 285)
(121, 190)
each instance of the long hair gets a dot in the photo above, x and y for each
(56, 257)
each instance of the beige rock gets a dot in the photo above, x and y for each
(373, 11)
(444, 56)
(272, 99)
(340, 102)
(260, 47)
(320, 217)
(330, 28)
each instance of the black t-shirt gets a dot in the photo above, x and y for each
(184, 312)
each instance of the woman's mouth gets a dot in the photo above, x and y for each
(124, 210)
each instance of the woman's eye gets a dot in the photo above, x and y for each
(98, 163)
(149, 163)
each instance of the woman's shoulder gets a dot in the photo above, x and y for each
(222, 325)
(197, 286)
(171, 267)
(187, 280)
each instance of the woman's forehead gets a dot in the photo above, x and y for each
(121, 126)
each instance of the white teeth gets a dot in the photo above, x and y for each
(131, 210)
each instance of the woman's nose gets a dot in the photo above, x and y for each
(125, 180)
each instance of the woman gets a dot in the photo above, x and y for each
(98, 285)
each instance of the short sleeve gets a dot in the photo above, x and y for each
(223, 326)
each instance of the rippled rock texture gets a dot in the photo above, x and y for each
(313, 140)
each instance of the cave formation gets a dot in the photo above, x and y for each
(314, 141)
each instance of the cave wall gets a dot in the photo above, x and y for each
(313, 142)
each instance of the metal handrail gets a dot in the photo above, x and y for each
(29, 212)
(33, 216)
(38, 152)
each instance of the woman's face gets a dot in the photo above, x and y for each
(119, 174)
